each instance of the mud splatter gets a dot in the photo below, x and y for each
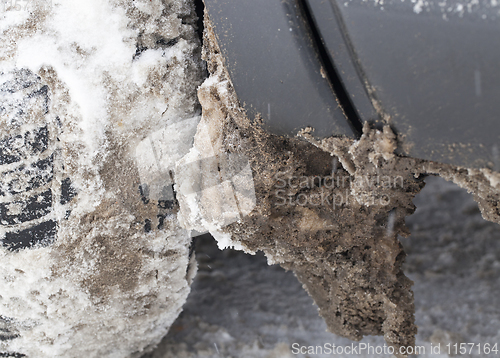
(331, 210)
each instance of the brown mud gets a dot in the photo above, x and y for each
(332, 210)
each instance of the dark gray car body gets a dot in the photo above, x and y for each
(431, 68)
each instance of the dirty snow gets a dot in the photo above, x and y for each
(119, 269)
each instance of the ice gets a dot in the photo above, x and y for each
(214, 189)
(157, 154)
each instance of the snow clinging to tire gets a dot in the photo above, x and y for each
(115, 149)
(90, 266)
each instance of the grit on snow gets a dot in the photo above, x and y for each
(118, 269)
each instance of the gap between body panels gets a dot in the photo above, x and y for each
(199, 7)
(331, 72)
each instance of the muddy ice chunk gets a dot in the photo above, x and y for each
(330, 210)
(214, 190)
(331, 216)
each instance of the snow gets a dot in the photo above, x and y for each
(445, 8)
(105, 287)
(73, 44)
(493, 177)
